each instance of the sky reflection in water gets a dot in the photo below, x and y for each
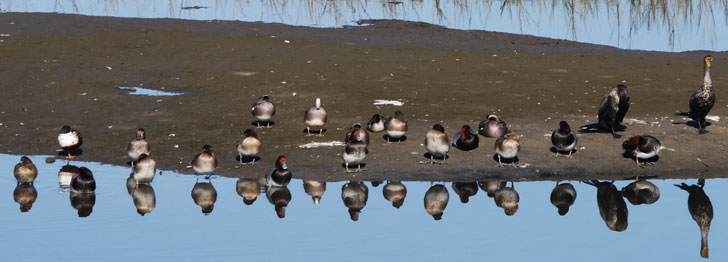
(176, 228)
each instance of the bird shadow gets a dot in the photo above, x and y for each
(313, 133)
(268, 123)
(690, 123)
(360, 165)
(506, 160)
(247, 159)
(428, 155)
(594, 128)
(392, 139)
(75, 152)
(649, 160)
(554, 150)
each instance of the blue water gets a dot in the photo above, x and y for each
(663, 25)
(177, 229)
(148, 92)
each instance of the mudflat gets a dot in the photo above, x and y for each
(60, 70)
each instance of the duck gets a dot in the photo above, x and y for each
(204, 163)
(355, 195)
(315, 118)
(83, 182)
(362, 132)
(315, 189)
(507, 198)
(612, 207)
(263, 110)
(437, 143)
(376, 123)
(25, 171)
(493, 126)
(507, 147)
(144, 170)
(465, 190)
(279, 197)
(396, 126)
(701, 209)
(642, 147)
(490, 186)
(436, 199)
(466, 139)
(395, 192)
(278, 175)
(66, 174)
(144, 199)
(138, 146)
(249, 189)
(205, 196)
(563, 196)
(613, 108)
(83, 203)
(25, 195)
(355, 150)
(641, 192)
(703, 99)
(563, 139)
(249, 146)
(70, 140)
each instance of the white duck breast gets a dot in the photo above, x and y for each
(354, 153)
(136, 148)
(68, 139)
(250, 146)
(509, 150)
(205, 164)
(144, 171)
(437, 143)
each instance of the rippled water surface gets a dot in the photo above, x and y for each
(665, 25)
(174, 226)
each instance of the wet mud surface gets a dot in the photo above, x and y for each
(60, 70)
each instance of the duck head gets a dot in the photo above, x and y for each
(493, 118)
(464, 132)
(354, 214)
(564, 127)
(511, 210)
(438, 127)
(208, 149)
(141, 134)
(249, 201)
(356, 135)
(375, 118)
(511, 135)
(281, 163)
(399, 115)
(25, 160)
(65, 129)
(85, 171)
(563, 209)
(250, 133)
(142, 157)
(631, 143)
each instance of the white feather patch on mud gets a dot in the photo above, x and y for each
(322, 144)
(378, 102)
(713, 118)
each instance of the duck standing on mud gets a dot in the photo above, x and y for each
(704, 98)
(263, 110)
(279, 175)
(507, 147)
(249, 146)
(492, 127)
(204, 163)
(376, 123)
(563, 139)
(466, 139)
(642, 147)
(613, 108)
(138, 146)
(437, 143)
(315, 118)
(355, 150)
(70, 140)
(396, 126)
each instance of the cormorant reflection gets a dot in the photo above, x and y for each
(249, 189)
(279, 197)
(641, 192)
(25, 195)
(612, 207)
(507, 198)
(315, 189)
(436, 200)
(465, 190)
(355, 195)
(490, 186)
(204, 195)
(395, 192)
(563, 196)
(701, 210)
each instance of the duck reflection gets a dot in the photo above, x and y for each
(279, 197)
(641, 192)
(563, 196)
(315, 189)
(83, 202)
(612, 207)
(436, 201)
(465, 190)
(355, 195)
(25, 195)
(204, 195)
(249, 189)
(490, 186)
(144, 199)
(507, 198)
(65, 175)
(701, 210)
(395, 192)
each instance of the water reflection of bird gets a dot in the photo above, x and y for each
(249, 146)
(507, 198)
(66, 174)
(204, 163)
(25, 195)
(25, 171)
(376, 123)
(315, 189)
(563, 196)
(395, 192)
(263, 110)
(490, 186)
(278, 175)
(396, 126)
(83, 202)
(355, 150)
(83, 182)
(507, 147)
(437, 143)
(466, 140)
(465, 190)
(703, 99)
(69, 139)
(144, 199)
(492, 127)
(144, 170)
(642, 147)
(204, 195)
(701, 210)
(436, 199)
(138, 146)
(613, 108)
(612, 207)
(563, 139)
(249, 189)
(641, 192)
(279, 197)
(355, 195)
(315, 118)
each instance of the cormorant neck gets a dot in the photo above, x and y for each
(707, 82)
